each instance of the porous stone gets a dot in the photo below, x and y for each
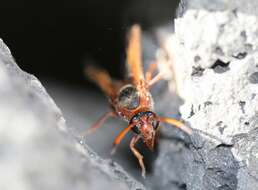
(37, 149)
(214, 55)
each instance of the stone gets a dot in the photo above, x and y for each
(214, 55)
(38, 151)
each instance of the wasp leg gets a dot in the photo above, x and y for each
(119, 137)
(176, 123)
(148, 76)
(137, 154)
(98, 123)
(150, 71)
(155, 79)
(134, 55)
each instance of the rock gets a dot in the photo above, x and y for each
(214, 55)
(37, 149)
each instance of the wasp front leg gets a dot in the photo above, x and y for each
(137, 154)
(150, 80)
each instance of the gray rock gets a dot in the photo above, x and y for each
(214, 53)
(37, 150)
(244, 6)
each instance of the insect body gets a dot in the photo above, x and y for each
(131, 100)
(128, 98)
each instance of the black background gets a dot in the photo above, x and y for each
(53, 38)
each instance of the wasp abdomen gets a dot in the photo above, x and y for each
(129, 97)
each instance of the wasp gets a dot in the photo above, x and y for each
(131, 99)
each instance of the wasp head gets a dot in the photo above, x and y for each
(145, 125)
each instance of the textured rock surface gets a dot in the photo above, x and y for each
(37, 150)
(214, 53)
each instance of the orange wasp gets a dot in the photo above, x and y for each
(131, 99)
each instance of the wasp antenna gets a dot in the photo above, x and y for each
(176, 123)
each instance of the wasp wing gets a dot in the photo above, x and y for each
(134, 58)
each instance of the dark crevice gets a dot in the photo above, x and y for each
(219, 123)
(197, 71)
(248, 47)
(219, 51)
(207, 103)
(220, 66)
(197, 58)
(224, 145)
(192, 112)
(182, 186)
(242, 106)
(253, 78)
(246, 123)
(234, 11)
(243, 35)
(222, 128)
(178, 185)
(240, 55)
(253, 96)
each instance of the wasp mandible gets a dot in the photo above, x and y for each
(131, 99)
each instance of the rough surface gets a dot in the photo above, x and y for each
(37, 150)
(214, 54)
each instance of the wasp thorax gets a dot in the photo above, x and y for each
(129, 97)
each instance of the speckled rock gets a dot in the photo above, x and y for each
(214, 56)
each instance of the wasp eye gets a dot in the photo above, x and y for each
(155, 124)
(136, 129)
(152, 120)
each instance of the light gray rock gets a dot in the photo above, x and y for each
(37, 151)
(214, 54)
